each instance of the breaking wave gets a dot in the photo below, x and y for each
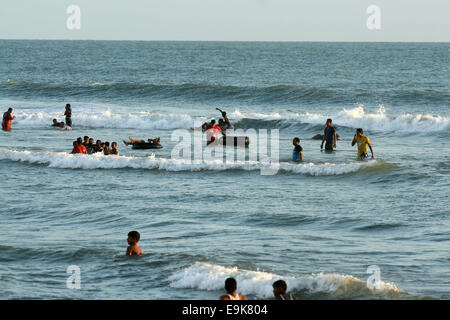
(205, 276)
(98, 161)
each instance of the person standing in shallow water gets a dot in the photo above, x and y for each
(68, 114)
(7, 119)
(329, 137)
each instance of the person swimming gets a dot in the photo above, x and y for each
(114, 150)
(224, 123)
(97, 147)
(133, 248)
(106, 149)
(132, 141)
(55, 123)
(212, 131)
(64, 127)
(231, 289)
(279, 291)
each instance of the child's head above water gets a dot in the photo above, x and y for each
(279, 287)
(296, 141)
(133, 238)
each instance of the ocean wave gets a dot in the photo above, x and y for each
(201, 91)
(192, 91)
(357, 117)
(98, 161)
(107, 119)
(205, 276)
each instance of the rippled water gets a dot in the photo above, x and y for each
(318, 224)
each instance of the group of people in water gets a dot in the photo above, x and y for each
(330, 138)
(279, 286)
(68, 124)
(89, 147)
(212, 129)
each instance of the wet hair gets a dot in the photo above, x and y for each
(61, 124)
(54, 120)
(98, 141)
(134, 235)
(91, 139)
(221, 121)
(213, 121)
(329, 120)
(10, 109)
(280, 284)
(359, 130)
(86, 137)
(75, 143)
(230, 285)
(296, 139)
(79, 140)
(68, 105)
(107, 144)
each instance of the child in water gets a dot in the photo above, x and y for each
(279, 291)
(133, 239)
(297, 154)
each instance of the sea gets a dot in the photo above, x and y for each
(332, 226)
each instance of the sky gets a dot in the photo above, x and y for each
(227, 20)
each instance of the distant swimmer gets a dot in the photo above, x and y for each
(7, 119)
(279, 291)
(231, 289)
(133, 239)
(55, 123)
(132, 141)
(64, 127)
(68, 114)
(297, 154)
(362, 142)
(212, 131)
(114, 150)
(329, 136)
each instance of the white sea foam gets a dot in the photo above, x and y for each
(98, 161)
(357, 117)
(205, 276)
(379, 121)
(107, 119)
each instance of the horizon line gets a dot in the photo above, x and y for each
(175, 40)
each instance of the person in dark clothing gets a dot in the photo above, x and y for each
(329, 136)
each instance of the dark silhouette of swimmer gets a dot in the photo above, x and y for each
(132, 141)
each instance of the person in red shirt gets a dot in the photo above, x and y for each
(78, 148)
(212, 129)
(7, 118)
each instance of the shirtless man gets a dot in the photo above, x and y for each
(133, 239)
